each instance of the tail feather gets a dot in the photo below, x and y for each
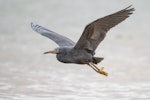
(97, 60)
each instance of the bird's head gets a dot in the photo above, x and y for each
(55, 51)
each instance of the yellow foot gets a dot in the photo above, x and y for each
(101, 71)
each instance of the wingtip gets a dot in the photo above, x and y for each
(31, 24)
(130, 7)
(38, 28)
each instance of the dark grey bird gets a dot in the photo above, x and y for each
(83, 51)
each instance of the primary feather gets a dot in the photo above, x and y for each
(96, 31)
(57, 38)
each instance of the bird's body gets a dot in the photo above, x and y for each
(77, 56)
(83, 51)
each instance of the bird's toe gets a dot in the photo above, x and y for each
(101, 71)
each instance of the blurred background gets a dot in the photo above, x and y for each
(25, 73)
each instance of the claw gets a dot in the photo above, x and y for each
(101, 71)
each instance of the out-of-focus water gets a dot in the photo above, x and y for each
(27, 74)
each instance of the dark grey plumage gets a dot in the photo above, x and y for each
(96, 31)
(83, 51)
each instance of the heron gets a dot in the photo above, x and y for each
(83, 51)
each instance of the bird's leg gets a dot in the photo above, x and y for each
(94, 68)
(101, 70)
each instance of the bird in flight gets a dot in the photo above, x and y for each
(83, 51)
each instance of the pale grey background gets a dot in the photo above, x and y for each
(27, 74)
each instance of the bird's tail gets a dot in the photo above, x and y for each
(97, 60)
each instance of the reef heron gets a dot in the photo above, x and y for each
(83, 51)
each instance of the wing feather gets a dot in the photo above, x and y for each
(96, 31)
(57, 38)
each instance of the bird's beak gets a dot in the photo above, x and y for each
(53, 52)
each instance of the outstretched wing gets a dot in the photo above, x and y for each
(95, 32)
(57, 38)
